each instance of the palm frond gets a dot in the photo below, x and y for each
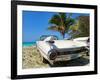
(69, 22)
(63, 18)
(55, 20)
(61, 23)
(55, 28)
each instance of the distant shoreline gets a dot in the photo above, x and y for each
(28, 44)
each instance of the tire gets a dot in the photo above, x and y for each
(44, 60)
(87, 53)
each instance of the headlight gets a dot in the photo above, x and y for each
(53, 55)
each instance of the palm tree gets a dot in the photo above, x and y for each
(61, 22)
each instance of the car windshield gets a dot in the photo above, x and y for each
(45, 36)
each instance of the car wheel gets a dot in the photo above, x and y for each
(87, 53)
(44, 60)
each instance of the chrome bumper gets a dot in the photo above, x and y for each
(68, 57)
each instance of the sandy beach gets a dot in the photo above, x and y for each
(31, 59)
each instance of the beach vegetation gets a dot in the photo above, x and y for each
(61, 22)
(80, 28)
(65, 24)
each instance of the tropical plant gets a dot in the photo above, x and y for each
(84, 25)
(74, 30)
(81, 28)
(61, 22)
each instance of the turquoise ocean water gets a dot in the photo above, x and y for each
(27, 44)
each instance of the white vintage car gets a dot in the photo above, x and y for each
(53, 50)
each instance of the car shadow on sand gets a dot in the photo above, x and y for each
(75, 62)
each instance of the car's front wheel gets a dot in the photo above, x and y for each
(44, 60)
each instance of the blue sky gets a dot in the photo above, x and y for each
(35, 24)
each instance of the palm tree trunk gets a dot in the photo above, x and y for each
(63, 36)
